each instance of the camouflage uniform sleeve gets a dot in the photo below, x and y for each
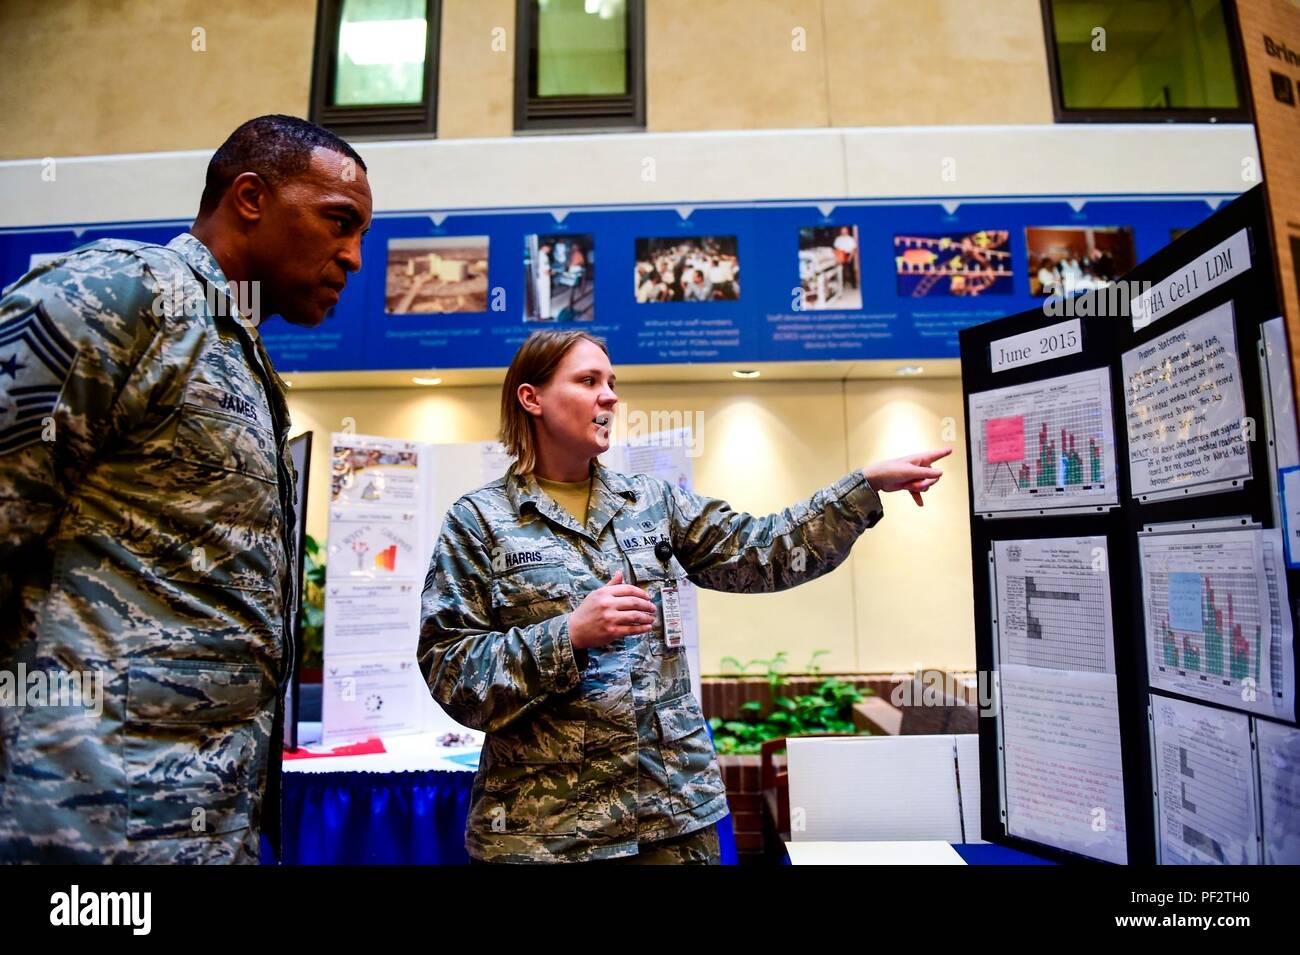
(75, 336)
(722, 549)
(485, 679)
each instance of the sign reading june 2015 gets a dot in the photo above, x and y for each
(1029, 348)
(1225, 261)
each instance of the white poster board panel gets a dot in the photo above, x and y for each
(375, 541)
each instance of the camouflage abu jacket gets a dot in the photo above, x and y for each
(145, 501)
(590, 752)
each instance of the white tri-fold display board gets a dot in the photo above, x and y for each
(1135, 535)
(388, 497)
(379, 541)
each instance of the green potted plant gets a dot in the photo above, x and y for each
(827, 709)
(312, 652)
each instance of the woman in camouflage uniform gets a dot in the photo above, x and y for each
(549, 623)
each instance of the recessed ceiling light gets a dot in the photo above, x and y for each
(427, 381)
(910, 370)
(745, 373)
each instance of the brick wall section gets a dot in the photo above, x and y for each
(741, 775)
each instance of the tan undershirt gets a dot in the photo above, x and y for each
(573, 497)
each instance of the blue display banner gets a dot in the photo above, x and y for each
(734, 284)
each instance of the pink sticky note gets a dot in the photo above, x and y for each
(1004, 439)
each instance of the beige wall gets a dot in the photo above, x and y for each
(903, 597)
(936, 62)
(476, 74)
(731, 64)
(913, 573)
(87, 77)
(765, 64)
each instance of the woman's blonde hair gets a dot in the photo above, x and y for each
(534, 364)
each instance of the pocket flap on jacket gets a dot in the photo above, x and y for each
(678, 718)
(230, 443)
(647, 567)
(194, 691)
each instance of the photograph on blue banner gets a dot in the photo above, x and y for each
(1068, 259)
(696, 269)
(559, 278)
(828, 267)
(432, 275)
(960, 264)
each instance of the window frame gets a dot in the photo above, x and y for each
(407, 120)
(554, 114)
(1062, 114)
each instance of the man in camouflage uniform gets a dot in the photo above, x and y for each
(146, 513)
(603, 753)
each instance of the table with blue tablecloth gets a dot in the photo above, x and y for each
(406, 805)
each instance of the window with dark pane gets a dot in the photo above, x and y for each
(579, 64)
(1144, 57)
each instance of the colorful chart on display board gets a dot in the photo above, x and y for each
(1044, 444)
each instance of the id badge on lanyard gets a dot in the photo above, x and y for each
(672, 608)
(670, 601)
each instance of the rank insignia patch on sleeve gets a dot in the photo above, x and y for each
(35, 360)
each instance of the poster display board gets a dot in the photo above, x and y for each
(1143, 651)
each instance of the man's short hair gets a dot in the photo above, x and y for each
(275, 147)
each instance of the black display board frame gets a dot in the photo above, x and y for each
(1105, 338)
(301, 449)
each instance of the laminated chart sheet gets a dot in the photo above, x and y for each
(1211, 610)
(372, 616)
(1279, 789)
(1045, 444)
(371, 471)
(1185, 408)
(371, 694)
(1281, 650)
(375, 543)
(1205, 785)
(1059, 701)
